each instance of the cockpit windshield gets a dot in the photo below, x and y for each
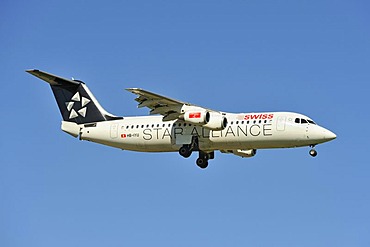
(304, 121)
(310, 121)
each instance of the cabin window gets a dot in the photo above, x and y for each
(184, 124)
(237, 122)
(142, 126)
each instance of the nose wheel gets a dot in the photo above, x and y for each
(313, 152)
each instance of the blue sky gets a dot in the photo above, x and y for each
(311, 57)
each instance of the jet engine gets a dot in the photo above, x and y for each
(209, 120)
(196, 117)
(216, 121)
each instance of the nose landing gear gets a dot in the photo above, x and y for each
(313, 152)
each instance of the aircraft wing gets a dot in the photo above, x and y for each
(170, 109)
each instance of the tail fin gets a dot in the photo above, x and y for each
(75, 101)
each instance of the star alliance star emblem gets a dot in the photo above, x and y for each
(75, 99)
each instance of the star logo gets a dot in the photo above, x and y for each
(76, 99)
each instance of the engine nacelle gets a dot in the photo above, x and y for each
(196, 117)
(216, 121)
(245, 153)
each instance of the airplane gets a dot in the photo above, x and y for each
(177, 126)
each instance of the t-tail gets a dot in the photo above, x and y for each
(75, 101)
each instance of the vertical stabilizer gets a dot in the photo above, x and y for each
(75, 101)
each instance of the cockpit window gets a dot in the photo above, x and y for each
(303, 121)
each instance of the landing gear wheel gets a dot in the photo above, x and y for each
(313, 152)
(202, 163)
(185, 151)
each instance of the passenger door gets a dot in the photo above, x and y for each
(114, 131)
(280, 124)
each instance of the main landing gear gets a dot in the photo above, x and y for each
(202, 161)
(313, 152)
(187, 149)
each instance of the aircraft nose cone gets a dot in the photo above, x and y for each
(330, 135)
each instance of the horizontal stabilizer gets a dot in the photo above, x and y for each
(52, 79)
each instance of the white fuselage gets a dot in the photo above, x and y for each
(244, 131)
(179, 127)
